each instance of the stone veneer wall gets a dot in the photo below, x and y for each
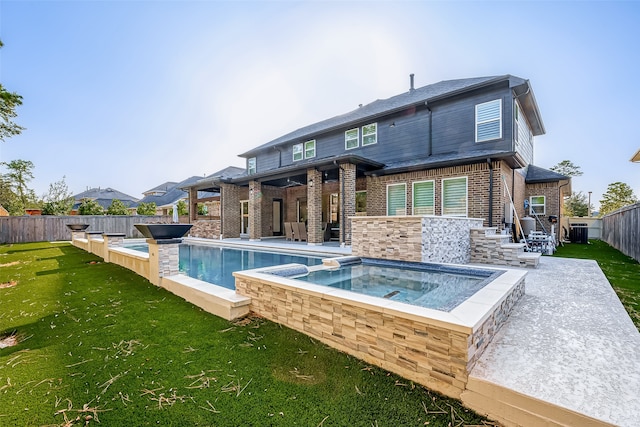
(413, 238)
(433, 353)
(207, 229)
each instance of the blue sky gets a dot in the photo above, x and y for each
(130, 94)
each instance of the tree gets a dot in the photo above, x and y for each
(8, 103)
(618, 194)
(182, 208)
(146, 208)
(59, 200)
(9, 199)
(90, 207)
(19, 175)
(117, 208)
(567, 168)
(576, 204)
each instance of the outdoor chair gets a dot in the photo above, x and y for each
(302, 232)
(288, 231)
(296, 231)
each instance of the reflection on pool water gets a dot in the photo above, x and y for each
(439, 287)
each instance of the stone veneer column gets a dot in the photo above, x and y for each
(255, 210)
(230, 210)
(164, 259)
(315, 235)
(348, 199)
(112, 240)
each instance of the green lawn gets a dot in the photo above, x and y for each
(99, 345)
(623, 272)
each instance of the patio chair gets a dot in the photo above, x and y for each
(302, 232)
(296, 231)
(288, 231)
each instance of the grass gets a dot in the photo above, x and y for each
(623, 272)
(99, 345)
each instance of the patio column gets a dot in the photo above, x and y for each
(347, 200)
(255, 210)
(193, 204)
(315, 235)
(230, 215)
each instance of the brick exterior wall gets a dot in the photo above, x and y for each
(552, 205)
(314, 207)
(230, 196)
(348, 176)
(268, 194)
(477, 189)
(255, 210)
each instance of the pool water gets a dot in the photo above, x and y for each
(426, 285)
(215, 264)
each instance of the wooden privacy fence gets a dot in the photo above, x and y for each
(23, 229)
(621, 229)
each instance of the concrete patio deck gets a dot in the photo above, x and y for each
(568, 355)
(568, 348)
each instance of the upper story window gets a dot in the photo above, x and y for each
(304, 150)
(489, 120)
(369, 134)
(454, 196)
(424, 198)
(352, 139)
(537, 205)
(310, 149)
(251, 165)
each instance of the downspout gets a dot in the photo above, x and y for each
(430, 142)
(490, 192)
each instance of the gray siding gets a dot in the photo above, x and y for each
(453, 122)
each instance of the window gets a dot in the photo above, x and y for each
(251, 165)
(351, 139)
(424, 198)
(396, 199)
(489, 121)
(536, 205)
(310, 149)
(454, 196)
(369, 134)
(297, 152)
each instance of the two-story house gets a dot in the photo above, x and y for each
(454, 148)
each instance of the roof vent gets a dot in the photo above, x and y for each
(411, 89)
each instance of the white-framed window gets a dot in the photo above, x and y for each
(537, 205)
(310, 149)
(298, 153)
(396, 199)
(454, 196)
(424, 198)
(352, 139)
(369, 134)
(251, 165)
(489, 120)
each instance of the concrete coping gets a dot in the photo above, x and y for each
(164, 241)
(114, 234)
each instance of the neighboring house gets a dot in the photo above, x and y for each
(451, 148)
(104, 197)
(166, 195)
(636, 157)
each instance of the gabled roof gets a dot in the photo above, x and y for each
(212, 182)
(161, 188)
(173, 194)
(536, 174)
(430, 93)
(104, 197)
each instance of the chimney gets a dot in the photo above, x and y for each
(411, 89)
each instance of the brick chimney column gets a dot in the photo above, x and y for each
(315, 235)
